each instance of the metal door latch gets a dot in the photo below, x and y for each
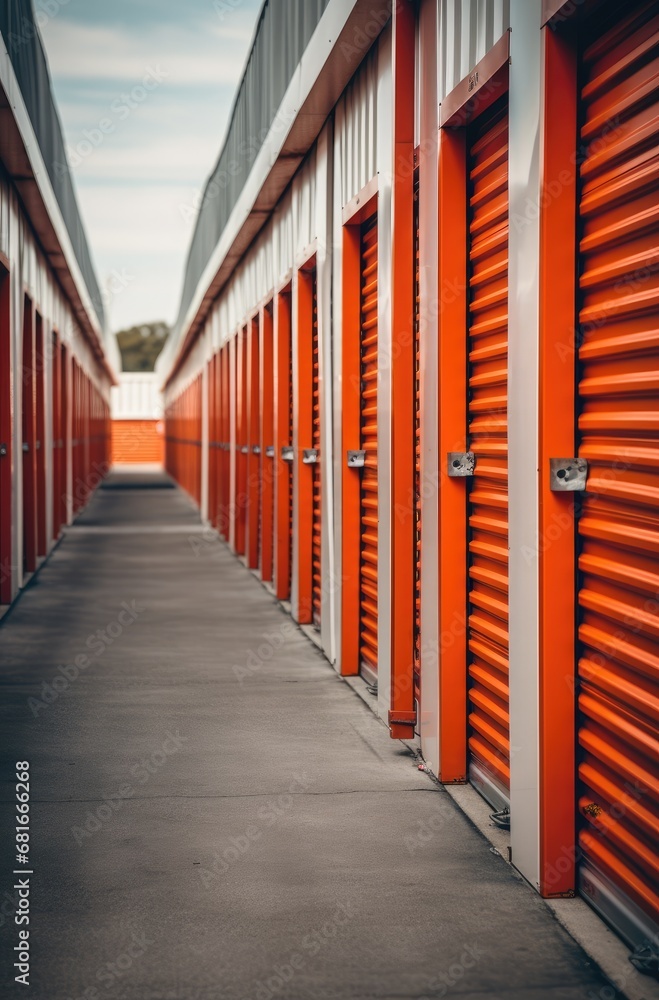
(26, 446)
(287, 454)
(310, 456)
(3, 450)
(356, 459)
(460, 464)
(568, 475)
(256, 449)
(244, 450)
(270, 451)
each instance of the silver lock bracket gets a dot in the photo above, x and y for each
(3, 450)
(256, 449)
(244, 450)
(356, 459)
(287, 453)
(568, 475)
(310, 456)
(460, 464)
(270, 451)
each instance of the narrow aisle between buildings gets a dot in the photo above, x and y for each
(215, 813)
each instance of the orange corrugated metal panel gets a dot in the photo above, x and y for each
(417, 450)
(240, 499)
(368, 637)
(489, 744)
(316, 579)
(290, 464)
(136, 441)
(225, 442)
(618, 624)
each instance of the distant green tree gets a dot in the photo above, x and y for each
(140, 346)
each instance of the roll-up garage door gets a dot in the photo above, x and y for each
(316, 579)
(488, 728)
(242, 446)
(618, 434)
(368, 620)
(290, 464)
(417, 453)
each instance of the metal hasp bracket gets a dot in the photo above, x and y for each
(244, 450)
(568, 475)
(460, 464)
(26, 446)
(310, 456)
(256, 449)
(287, 454)
(356, 459)
(270, 451)
(3, 450)
(402, 718)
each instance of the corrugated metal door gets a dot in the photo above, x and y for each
(368, 619)
(225, 441)
(56, 398)
(242, 447)
(618, 434)
(6, 396)
(417, 454)
(29, 438)
(487, 512)
(40, 442)
(290, 464)
(316, 578)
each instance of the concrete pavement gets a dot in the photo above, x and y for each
(215, 814)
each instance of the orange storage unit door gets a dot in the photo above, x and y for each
(417, 452)
(316, 578)
(290, 464)
(487, 505)
(618, 434)
(6, 491)
(368, 575)
(240, 498)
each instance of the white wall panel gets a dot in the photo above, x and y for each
(467, 30)
(137, 397)
(357, 128)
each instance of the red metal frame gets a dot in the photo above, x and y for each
(266, 437)
(452, 362)
(557, 565)
(6, 438)
(283, 470)
(402, 713)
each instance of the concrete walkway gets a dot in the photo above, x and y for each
(215, 814)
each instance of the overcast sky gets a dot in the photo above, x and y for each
(144, 89)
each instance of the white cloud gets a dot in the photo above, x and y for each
(134, 180)
(211, 57)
